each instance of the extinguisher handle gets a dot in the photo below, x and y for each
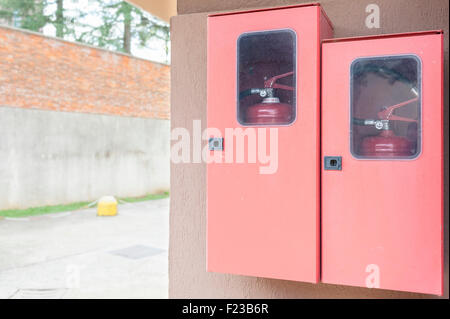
(388, 112)
(386, 115)
(270, 83)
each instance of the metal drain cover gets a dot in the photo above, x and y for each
(51, 293)
(137, 251)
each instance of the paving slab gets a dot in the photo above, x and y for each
(80, 255)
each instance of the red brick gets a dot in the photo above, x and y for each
(45, 73)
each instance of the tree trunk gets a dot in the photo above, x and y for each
(40, 12)
(127, 36)
(167, 50)
(59, 18)
(127, 9)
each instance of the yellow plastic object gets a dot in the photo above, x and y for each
(107, 206)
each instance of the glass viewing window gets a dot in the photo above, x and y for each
(266, 78)
(385, 107)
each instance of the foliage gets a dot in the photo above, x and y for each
(36, 211)
(26, 14)
(121, 23)
(119, 26)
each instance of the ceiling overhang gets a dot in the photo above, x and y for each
(163, 9)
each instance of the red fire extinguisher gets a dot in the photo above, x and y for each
(270, 110)
(387, 143)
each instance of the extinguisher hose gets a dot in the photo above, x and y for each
(248, 92)
(384, 72)
(357, 121)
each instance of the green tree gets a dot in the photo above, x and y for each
(26, 14)
(122, 23)
(31, 15)
(59, 19)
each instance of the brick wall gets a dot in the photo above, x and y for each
(45, 73)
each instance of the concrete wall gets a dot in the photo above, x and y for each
(187, 261)
(50, 157)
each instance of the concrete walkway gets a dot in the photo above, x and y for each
(80, 255)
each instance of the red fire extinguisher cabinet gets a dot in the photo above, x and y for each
(264, 74)
(382, 169)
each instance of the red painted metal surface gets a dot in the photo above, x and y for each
(266, 225)
(386, 144)
(382, 219)
(267, 113)
(271, 110)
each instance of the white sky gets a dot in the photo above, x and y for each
(154, 51)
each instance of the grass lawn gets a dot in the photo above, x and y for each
(35, 211)
(144, 198)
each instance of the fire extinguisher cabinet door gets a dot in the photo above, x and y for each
(264, 78)
(382, 208)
